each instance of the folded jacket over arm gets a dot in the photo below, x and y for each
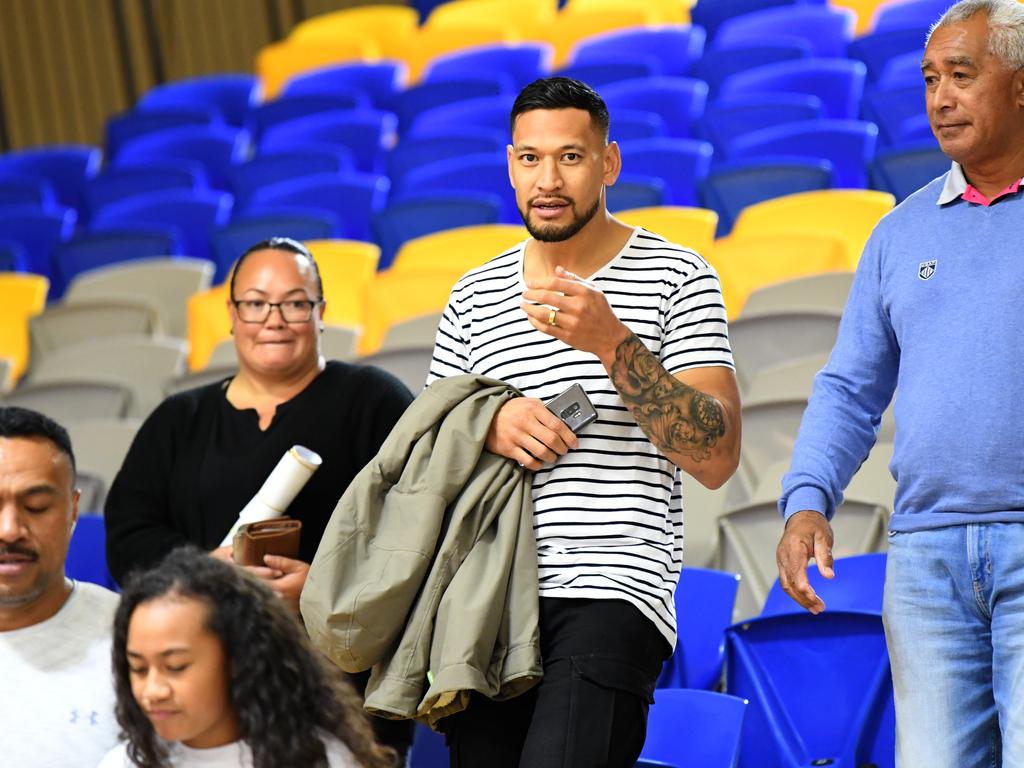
(429, 562)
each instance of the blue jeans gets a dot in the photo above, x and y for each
(954, 622)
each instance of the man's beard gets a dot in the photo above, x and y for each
(553, 233)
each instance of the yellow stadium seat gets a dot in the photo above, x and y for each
(528, 19)
(456, 250)
(279, 62)
(392, 298)
(850, 214)
(430, 42)
(572, 26)
(346, 268)
(389, 26)
(21, 296)
(865, 10)
(208, 324)
(690, 227)
(745, 264)
(668, 11)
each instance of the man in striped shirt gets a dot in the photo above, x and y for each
(639, 323)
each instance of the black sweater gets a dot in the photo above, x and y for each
(197, 461)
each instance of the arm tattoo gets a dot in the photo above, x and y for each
(677, 418)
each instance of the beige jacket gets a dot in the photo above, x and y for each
(429, 563)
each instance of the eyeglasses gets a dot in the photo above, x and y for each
(292, 310)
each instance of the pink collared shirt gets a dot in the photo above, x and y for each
(957, 186)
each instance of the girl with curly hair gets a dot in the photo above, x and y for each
(211, 669)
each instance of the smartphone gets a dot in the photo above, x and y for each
(573, 407)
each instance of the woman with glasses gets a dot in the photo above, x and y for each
(202, 454)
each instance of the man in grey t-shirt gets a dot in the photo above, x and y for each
(58, 704)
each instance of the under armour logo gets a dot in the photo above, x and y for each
(926, 269)
(93, 717)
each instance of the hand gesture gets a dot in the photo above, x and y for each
(807, 535)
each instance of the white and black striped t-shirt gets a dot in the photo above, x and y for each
(608, 515)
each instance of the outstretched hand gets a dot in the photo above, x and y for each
(808, 535)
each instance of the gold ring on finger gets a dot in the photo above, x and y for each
(553, 317)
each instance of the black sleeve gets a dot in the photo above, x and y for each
(137, 513)
(390, 399)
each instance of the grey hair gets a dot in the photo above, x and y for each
(1005, 27)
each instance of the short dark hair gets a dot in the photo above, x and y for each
(23, 422)
(562, 93)
(285, 695)
(279, 244)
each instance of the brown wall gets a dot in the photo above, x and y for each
(66, 65)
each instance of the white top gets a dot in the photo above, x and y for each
(608, 515)
(234, 755)
(57, 702)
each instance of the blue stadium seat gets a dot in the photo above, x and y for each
(216, 148)
(890, 108)
(523, 62)
(598, 73)
(857, 587)
(635, 191)
(367, 134)
(916, 129)
(839, 83)
(414, 152)
(414, 217)
(732, 187)
(716, 66)
(789, 666)
(679, 100)
(704, 602)
(675, 48)
(26, 192)
(436, 93)
(98, 249)
(272, 167)
(912, 14)
(902, 171)
(679, 163)
(632, 124)
(483, 173)
(230, 95)
(38, 233)
(380, 81)
(231, 241)
(848, 144)
(428, 749)
(126, 126)
(694, 728)
(281, 110)
(87, 553)
(116, 184)
(711, 14)
(724, 121)
(902, 71)
(490, 112)
(877, 48)
(351, 199)
(193, 213)
(827, 30)
(13, 256)
(65, 166)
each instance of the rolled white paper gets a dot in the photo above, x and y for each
(279, 490)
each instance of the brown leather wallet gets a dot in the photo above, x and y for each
(279, 536)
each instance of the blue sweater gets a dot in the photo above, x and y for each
(953, 345)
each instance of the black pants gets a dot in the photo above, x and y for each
(601, 661)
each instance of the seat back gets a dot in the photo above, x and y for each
(694, 728)
(764, 339)
(167, 282)
(409, 365)
(87, 552)
(457, 250)
(64, 325)
(22, 296)
(826, 29)
(418, 332)
(68, 401)
(826, 291)
(346, 269)
(690, 227)
(857, 586)
(776, 662)
(839, 83)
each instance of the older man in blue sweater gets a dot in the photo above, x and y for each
(935, 311)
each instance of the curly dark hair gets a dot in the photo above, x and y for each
(283, 692)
